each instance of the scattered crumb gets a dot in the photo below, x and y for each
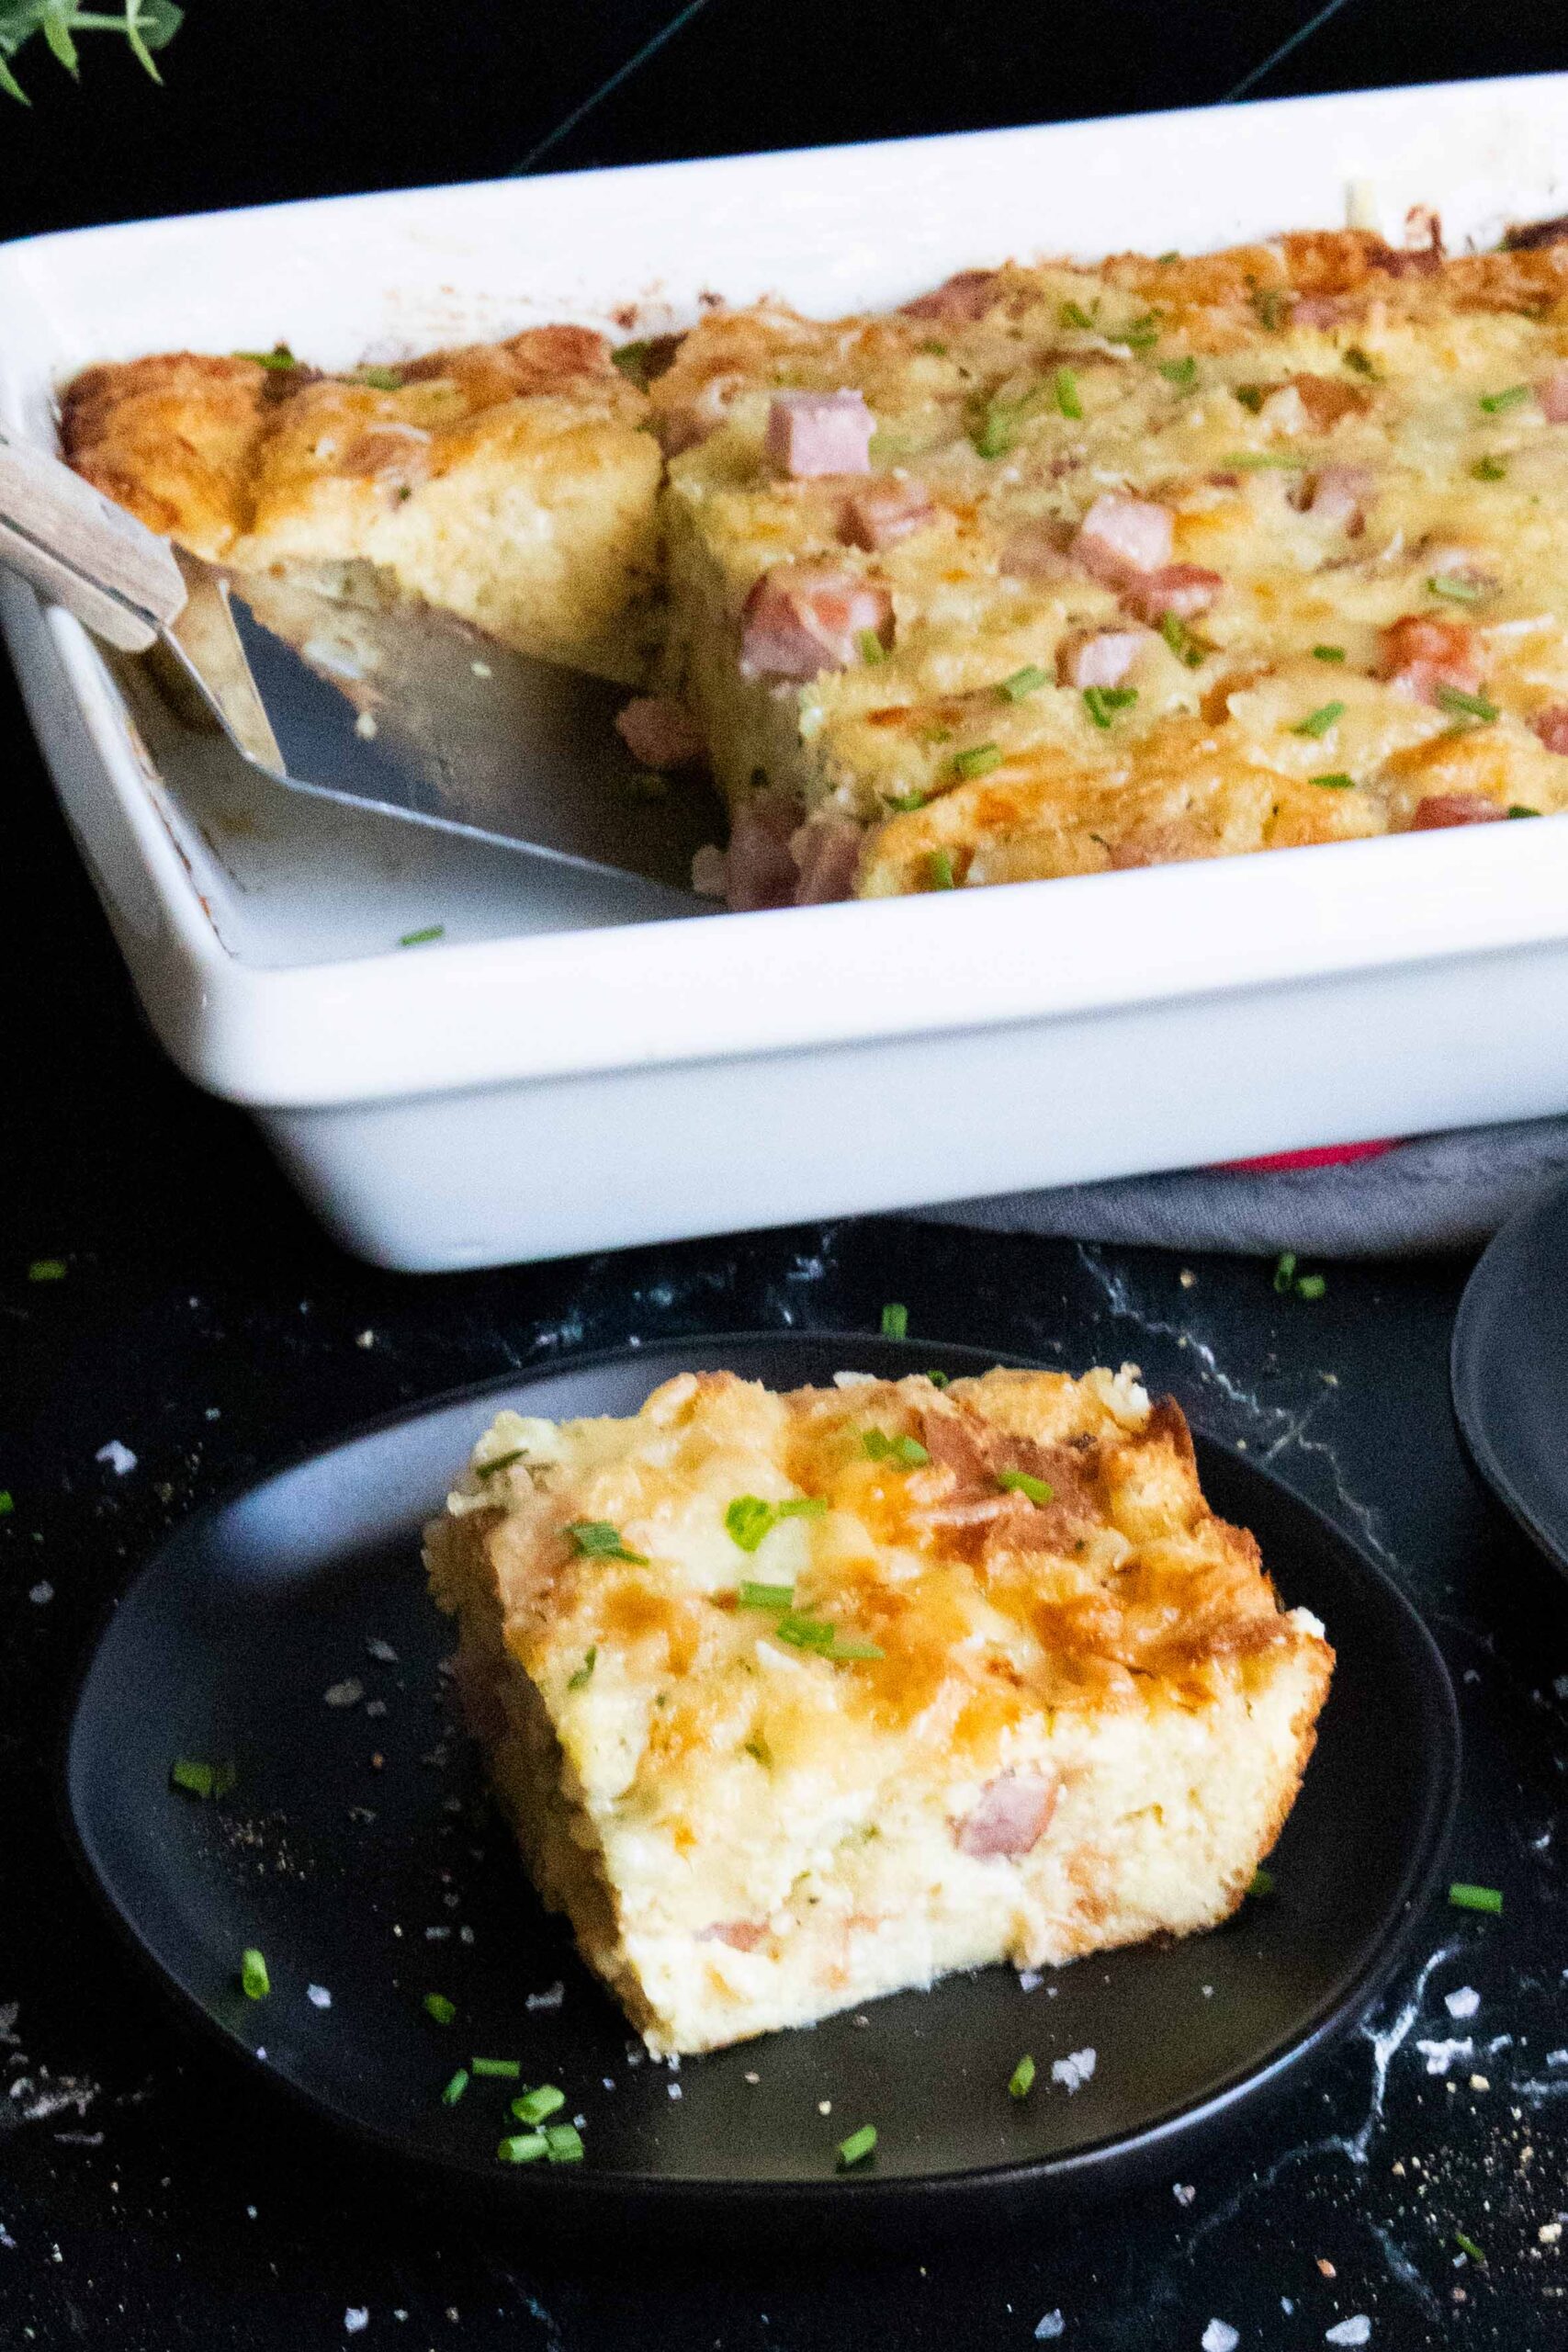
(119, 1457)
(1479, 2083)
(318, 1997)
(1188, 1278)
(383, 1652)
(1050, 2327)
(365, 727)
(1028, 1978)
(1462, 2003)
(1548, 2232)
(364, 1339)
(347, 1693)
(42, 1593)
(824, 2107)
(752, 2077)
(356, 2317)
(1327, 2268)
(1356, 2330)
(673, 2089)
(1184, 2191)
(551, 1998)
(1219, 2336)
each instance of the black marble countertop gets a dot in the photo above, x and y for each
(153, 2198)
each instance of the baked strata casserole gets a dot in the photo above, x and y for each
(1056, 570)
(797, 1699)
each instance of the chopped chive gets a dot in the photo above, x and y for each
(823, 1639)
(978, 761)
(935, 347)
(1027, 681)
(939, 1379)
(758, 1747)
(1468, 2245)
(1475, 1898)
(1311, 1285)
(1067, 391)
(802, 1507)
(894, 1321)
(455, 2087)
(200, 1779)
(1182, 373)
(8, 1502)
(1020, 1482)
(1172, 256)
(1328, 654)
(851, 1646)
(1251, 396)
(563, 2143)
(880, 1447)
(437, 2006)
(997, 429)
(1518, 809)
(1488, 469)
(1317, 722)
(747, 1521)
(1021, 2080)
(1463, 706)
(533, 2106)
(501, 1462)
(254, 1979)
(857, 2148)
(1252, 461)
(595, 1538)
(939, 871)
(765, 1596)
(1140, 334)
(506, 2069)
(584, 1673)
(46, 1269)
(1181, 639)
(871, 649)
(420, 938)
(1336, 783)
(1073, 314)
(1262, 1884)
(907, 802)
(1493, 403)
(1272, 306)
(935, 734)
(1101, 702)
(381, 379)
(1285, 1270)
(1357, 362)
(279, 359)
(1459, 591)
(631, 358)
(523, 2148)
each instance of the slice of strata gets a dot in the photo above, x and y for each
(1152, 560)
(510, 483)
(798, 1700)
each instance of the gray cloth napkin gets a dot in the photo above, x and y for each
(1447, 1191)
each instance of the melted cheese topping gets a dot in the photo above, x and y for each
(1225, 390)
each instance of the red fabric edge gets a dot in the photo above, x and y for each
(1335, 1154)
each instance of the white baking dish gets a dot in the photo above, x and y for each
(539, 1083)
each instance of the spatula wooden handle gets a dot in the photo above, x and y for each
(82, 550)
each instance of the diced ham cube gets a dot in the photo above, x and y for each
(1122, 538)
(661, 732)
(759, 870)
(1551, 725)
(1184, 589)
(1328, 398)
(802, 618)
(1339, 495)
(1101, 660)
(1011, 1817)
(1421, 653)
(1035, 551)
(884, 512)
(819, 432)
(959, 302)
(828, 858)
(1552, 394)
(1318, 310)
(1443, 808)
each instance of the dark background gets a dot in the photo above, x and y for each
(149, 2199)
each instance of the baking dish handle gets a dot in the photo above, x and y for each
(82, 550)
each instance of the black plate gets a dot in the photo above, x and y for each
(224, 1646)
(1508, 1369)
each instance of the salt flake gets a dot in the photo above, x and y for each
(551, 1998)
(1440, 2055)
(1462, 2003)
(344, 1694)
(1219, 2336)
(1184, 2191)
(318, 1997)
(355, 2318)
(1356, 2330)
(1050, 2327)
(1074, 2070)
(119, 1457)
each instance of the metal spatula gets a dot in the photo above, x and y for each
(402, 709)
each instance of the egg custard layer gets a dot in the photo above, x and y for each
(797, 1699)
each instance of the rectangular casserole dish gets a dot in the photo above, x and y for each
(538, 1081)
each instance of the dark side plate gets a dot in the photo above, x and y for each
(1508, 1369)
(357, 1851)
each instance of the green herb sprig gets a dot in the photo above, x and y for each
(144, 25)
